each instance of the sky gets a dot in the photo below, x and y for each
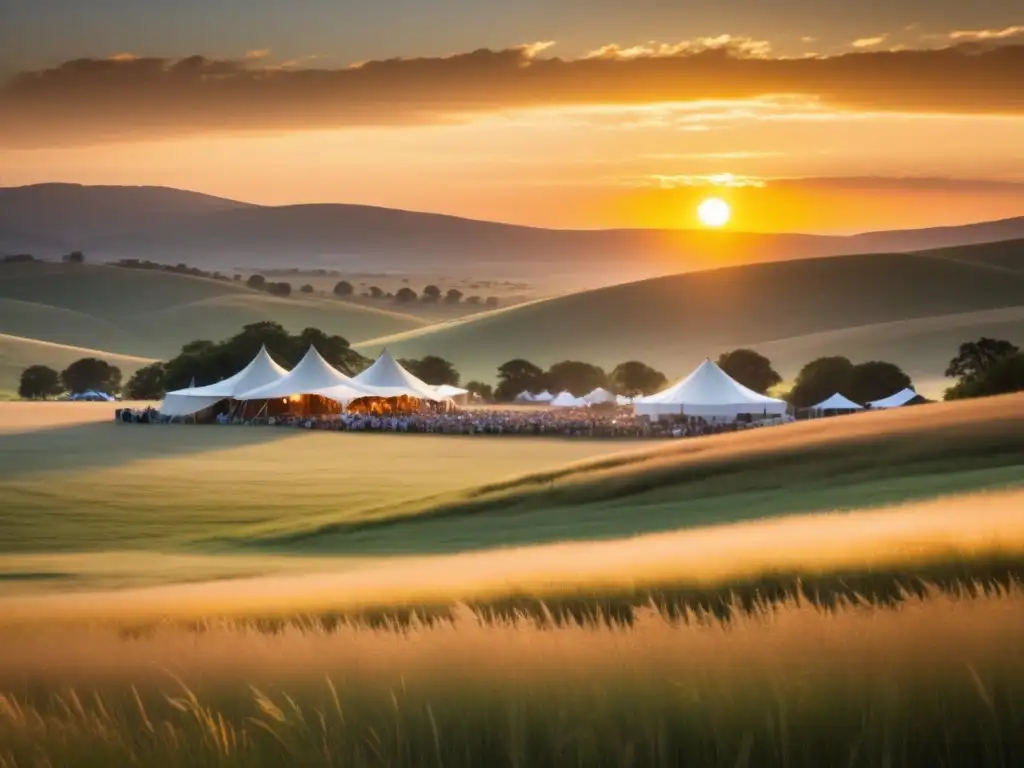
(805, 115)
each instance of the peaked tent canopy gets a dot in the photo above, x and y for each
(708, 392)
(258, 373)
(311, 376)
(903, 397)
(389, 379)
(526, 396)
(543, 397)
(447, 390)
(600, 396)
(567, 400)
(837, 403)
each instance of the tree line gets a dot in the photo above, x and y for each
(982, 367)
(431, 294)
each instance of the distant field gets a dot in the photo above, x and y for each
(914, 309)
(151, 313)
(274, 492)
(17, 354)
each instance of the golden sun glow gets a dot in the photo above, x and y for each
(714, 212)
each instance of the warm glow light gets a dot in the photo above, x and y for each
(714, 212)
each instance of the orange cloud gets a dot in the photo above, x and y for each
(95, 100)
(869, 42)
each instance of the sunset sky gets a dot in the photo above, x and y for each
(806, 115)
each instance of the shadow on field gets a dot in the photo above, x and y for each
(109, 444)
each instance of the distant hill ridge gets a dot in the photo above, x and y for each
(172, 225)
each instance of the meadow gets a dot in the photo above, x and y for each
(836, 592)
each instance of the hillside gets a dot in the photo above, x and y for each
(17, 354)
(173, 225)
(152, 313)
(913, 308)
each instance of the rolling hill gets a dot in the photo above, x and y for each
(152, 313)
(912, 308)
(176, 226)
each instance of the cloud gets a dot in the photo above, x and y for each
(869, 42)
(982, 35)
(257, 53)
(123, 98)
(677, 181)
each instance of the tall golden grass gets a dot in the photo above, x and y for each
(938, 680)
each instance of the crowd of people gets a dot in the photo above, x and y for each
(593, 423)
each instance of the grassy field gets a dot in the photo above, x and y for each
(912, 308)
(150, 313)
(838, 592)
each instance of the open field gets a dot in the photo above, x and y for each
(17, 354)
(926, 303)
(152, 313)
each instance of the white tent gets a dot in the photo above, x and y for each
(525, 397)
(389, 379)
(901, 398)
(623, 400)
(708, 392)
(567, 400)
(260, 372)
(599, 396)
(837, 403)
(543, 397)
(447, 390)
(312, 376)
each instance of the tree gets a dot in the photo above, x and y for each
(39, 381)
(874, 380)
(307, 288)
(454, 296)
(431, 293)
(405, 296)
(433, 370)
(750, 369)
(1002, 377)
(975, 358)
(579, 378)
(147, 383)
(474, 300)
(91, 373)
(819, 379)
(375, 292)
(343, 288)
(19, 258)
(75, 257)
(279, 289)
(483, 391)
(257, 282)
(635, 378)
(517, 376)
(492, 301)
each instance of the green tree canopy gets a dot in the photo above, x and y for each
(256, 281)
(975, 358)
(454, 296)
(517, 376)
(577, 377)
(999, 378)
(431, 293)
(635, 378)
(874, 380)
(147, 383)
(39, 381)
(405, 295)
(343, 288)
(91, 373)
(307, 288)
(480, 389)
(433, 370)
(819, 379)
(751, 369)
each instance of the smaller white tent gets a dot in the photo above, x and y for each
(837, 403)
(567, 400)
(447, 390)
(623, 400)
(262, 370)
(901, 398)
(599, 396)
(312, 376)
(543, 397)
(708, 392)
(388, 378)
(525, 397)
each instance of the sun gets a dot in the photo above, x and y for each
(714, 212)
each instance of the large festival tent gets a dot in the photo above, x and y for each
(387, 378)
(837, 403)
(623, 400)
(599, 396)
(708, 392)
(901, 398)
(526, 396)
(455, 394)
(566, 399)
(312, 376)
(258, 373)
(543, 397)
